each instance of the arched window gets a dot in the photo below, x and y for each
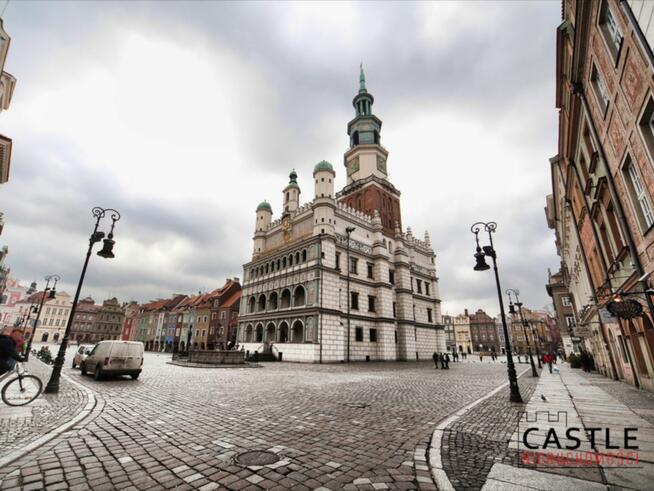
(304, 256)
(266, 269)
(297, 258)
(248, 335)
(278, 265)
(283, 333)
(299, 296)
(283, 262)
(262, 303)
(290, 260)
(272, 301)
(251, 303)
(270, 333)
(297, 335)
(286, 299)
(259, 333)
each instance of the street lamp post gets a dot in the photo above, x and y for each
(348, 231)
(481, 265)
(107, 253)
(53, 293)
(536, 337)
(30, 310)
(510, 291)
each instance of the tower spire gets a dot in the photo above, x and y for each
(362, 79)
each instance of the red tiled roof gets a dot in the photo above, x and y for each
(236, 296)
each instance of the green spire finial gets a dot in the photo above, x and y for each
(362, 79)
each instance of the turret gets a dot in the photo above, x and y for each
(323, 207)
(264, 217)
(292, 193)
(323, 175)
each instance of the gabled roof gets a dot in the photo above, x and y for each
(230, 301)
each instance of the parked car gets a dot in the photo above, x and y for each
(114, 358)
(81, 354)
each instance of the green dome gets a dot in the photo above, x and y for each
(323, 165)
(264, 205)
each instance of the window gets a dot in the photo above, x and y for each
(391, 276)
(353, 265)
(570, 321)
(394, 306)
(354, 300)
(373, 335)
(638, 195)
(371, 303)
(429, 317)
(370, 266)
(599, 87)
(566, 301)
(358, 334)
(610, 29)
(426, 288)
(419, 285)
(338, 261)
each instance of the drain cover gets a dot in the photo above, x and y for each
(257, 457)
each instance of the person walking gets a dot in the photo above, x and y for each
(442, 359)
(549, 359)
(435, 358)
(447, 361)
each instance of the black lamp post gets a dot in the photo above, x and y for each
(348, 231)
(510, 291)
(51, 296)
(536, 336)
(31, 310)
(107, 253)
(481, 265)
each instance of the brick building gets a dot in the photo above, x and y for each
(483, 333)
(603, 179)
(224, 315)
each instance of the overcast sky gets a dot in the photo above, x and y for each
(184, 116)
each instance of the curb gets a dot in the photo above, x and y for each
(84, 413)
(434, 453)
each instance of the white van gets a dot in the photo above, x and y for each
(114, 358)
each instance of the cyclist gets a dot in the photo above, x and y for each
(9, 355)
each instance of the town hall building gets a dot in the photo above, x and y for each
(341, 248)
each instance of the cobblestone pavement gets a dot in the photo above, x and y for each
(181, 428)
(472, 444)
(19, 426)
(639, 401)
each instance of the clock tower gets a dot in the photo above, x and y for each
(368, 188)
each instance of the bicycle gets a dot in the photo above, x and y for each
(22, 389)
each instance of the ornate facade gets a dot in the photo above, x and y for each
(295, 290)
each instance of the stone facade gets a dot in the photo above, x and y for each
(295, 289)
(54, 318)
(462, 335)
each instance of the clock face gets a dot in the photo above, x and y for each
(353, 166)
(381, 164)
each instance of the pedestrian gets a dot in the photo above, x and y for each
(435, 358)
(481, 357)
(455, 355)
(447, 361)
(442, 359)
(9, 355)
(549, 359)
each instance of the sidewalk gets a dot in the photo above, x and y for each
(572, 400)
(20, 426)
